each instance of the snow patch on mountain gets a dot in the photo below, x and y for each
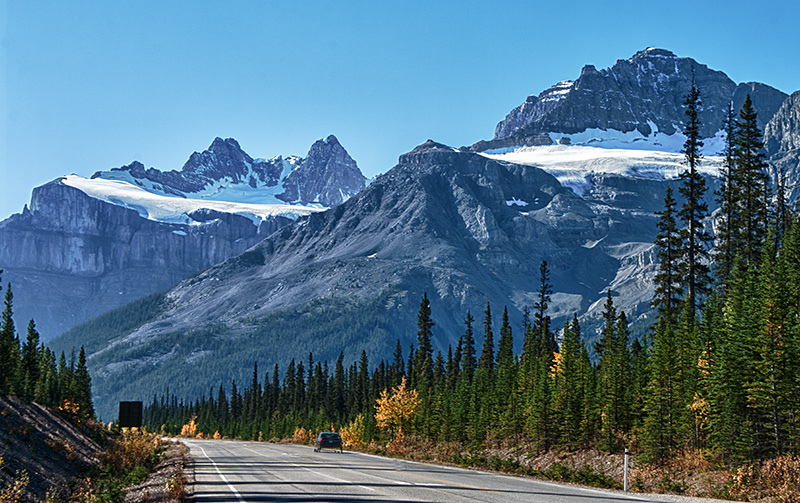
(175, 210)
(574, 165)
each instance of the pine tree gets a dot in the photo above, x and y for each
(694, 271)
(506, 376)
(486, 360)
(398, 367)
(83, 386)
(30, 362)
(752, 181)
(614, 375)
(730, 423)
(568, 394)
(485, 399)
(728, 200)
(422, 379)
(590, 408)
(9, 345)
(463, 411)
(668, 243)
(541, 321)
(773, 377)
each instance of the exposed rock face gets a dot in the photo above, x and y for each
(782, 142)
(635, 94)
(782, 133)
(327, 176)
(224, 160)
(72, 257)
(766, 100)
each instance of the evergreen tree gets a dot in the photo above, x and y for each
(468, 362)
(398, 367)
(30, 362)
(83, 386)
(9, 345)
(568, 394)
(728, 200)
(731, 425)
(463, 410)
(545, 341)
(486, 360)
(772, 384)
(668, 243)
(694, 270)
(506, 376)
(423, 362)
(485, 399)
(614, 375)
(752, 181)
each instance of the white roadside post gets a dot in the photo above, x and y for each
(626, 470)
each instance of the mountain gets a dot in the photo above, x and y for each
(327, 176)
(637, 98)
(464, 227)
(576, 185)
(85, 246)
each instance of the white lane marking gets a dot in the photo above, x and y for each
(316, 472)
(233, 489)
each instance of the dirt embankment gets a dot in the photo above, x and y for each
(50, 449)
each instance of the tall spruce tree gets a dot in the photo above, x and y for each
(728, 200)
(693, 263)
(668, 243)
(9, 344)
(422, 379)
(29, 372)
(753, 214)
(83, 386)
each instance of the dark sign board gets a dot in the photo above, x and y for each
(130, 414)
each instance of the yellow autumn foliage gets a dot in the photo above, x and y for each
(353, 432)
(189, 429)
(395, 410)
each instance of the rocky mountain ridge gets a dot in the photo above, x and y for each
(85, 246)
(326, 177)
(644, 94)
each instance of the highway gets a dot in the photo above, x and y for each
(235, 471)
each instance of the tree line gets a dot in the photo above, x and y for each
(718, 372)
(30, 370)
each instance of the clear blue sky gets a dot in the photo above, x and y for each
(87, 86)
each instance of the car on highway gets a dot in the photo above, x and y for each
(328, 440)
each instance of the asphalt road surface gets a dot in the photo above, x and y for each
(233, 471)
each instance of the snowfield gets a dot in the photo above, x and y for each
(574, 165)
(175, 210)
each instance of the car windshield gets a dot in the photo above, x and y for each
(329, 436)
